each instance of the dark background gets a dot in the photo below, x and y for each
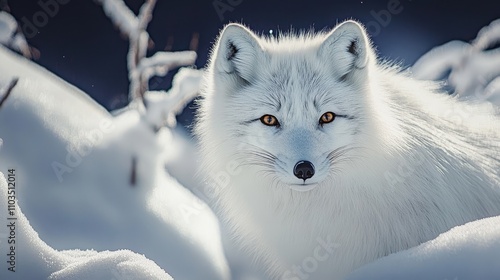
(81, 45)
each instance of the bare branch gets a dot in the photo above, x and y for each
(195, 40)
(4, 95)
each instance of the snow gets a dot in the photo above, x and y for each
(488, 35)
(162, 62)
(435, 63)
(36, 260)
(9, 36)
(163, 106)
(140, 67)
(473, 68)
(110, 195)
(75, 168)
(467, 252)
(8, 26)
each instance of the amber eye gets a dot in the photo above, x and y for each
(269, 120)
(327, 117)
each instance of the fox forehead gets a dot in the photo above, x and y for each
(293, 82)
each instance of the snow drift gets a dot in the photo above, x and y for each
(89, 180)
(34, 259)
(467, 252)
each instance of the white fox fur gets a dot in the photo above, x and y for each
(400, 164)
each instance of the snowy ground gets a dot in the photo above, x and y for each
(89, 181)
(471, 251)
(34, 259)
(74, 177)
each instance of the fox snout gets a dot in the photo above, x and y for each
(303, 169)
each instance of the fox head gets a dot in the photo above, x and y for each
(294, 108)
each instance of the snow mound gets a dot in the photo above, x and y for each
(90, 180)
(118, 265)
(467, 252)
(34, 259)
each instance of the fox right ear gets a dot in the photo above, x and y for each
(237, 53)
(347, 47)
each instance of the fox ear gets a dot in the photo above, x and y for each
(237, 53)
(346, 47)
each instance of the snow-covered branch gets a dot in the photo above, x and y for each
(146, 14)
(140, 67)
(121, 16)
(11, 37)
(160, 63)
(434, 64)
(488, 36)
(134, 27)
(473, 69)
(163, 106)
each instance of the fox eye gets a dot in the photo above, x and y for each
(269, 120)
(327, 117)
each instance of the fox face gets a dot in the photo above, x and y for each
(295, 112)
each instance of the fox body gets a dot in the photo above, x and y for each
(337, 159)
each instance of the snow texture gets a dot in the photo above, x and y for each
(36, 260)
(9, 35)
(467, 252)
(89, 180)
(473, 68)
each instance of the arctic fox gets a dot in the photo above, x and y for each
(331, 159)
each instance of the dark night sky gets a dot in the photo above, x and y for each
(80, 44)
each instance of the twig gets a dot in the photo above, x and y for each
(133, 173)
(138, 51)
(195, 40)
(8, 90)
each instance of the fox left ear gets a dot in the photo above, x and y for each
(346, 47)
(237, 54)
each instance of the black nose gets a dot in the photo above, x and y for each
(303, 170)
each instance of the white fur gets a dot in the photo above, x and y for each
(405, 170)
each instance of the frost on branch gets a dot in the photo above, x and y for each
(157, 108)
(474, 69)
(162, 62)
(140, 67)
(11, 37)
(163, 106)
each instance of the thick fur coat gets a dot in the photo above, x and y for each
(400, 163)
